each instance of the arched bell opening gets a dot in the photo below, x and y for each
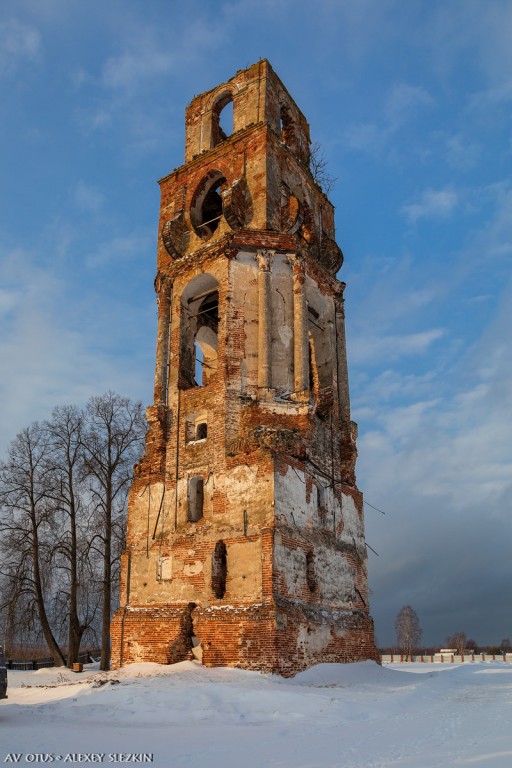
(222, 118)
(199, 332)
(206, 207)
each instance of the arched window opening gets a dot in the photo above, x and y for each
(206, 207)
(195, 499)
(226, 121)
(199, 343)
(321, 360)
(222, 119)
(310, 571)
(211, 211)
(196, 426)
(219, 570)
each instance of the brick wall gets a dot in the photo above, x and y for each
(244, 223)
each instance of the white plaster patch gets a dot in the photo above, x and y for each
(353, 526)
(164, 572)
(291, 564)
(192, 569)
(290, 499)
(335, 577)
(314, 640)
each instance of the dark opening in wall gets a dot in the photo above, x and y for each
(211, 210)
(206, 206)
(199, 341)
(320, 361)
(196, 428)
(287, 128)
(222, 119)
(206, 341)
(181, 648)
(320, 499)
(310, 571)
(219, 570)
(313, 371)
(208, 312)
(195, 499)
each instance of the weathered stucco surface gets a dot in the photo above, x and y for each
(245, 540)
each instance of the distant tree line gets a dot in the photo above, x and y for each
(63, 492)
(409, 633)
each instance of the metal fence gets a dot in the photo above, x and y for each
(445, 658)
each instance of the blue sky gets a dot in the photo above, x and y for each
(411, 102)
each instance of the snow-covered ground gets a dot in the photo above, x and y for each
(341, 716)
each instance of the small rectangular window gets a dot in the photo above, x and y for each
(201, 430)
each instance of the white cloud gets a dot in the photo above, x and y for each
(441, 468)
(492, 96)
(492, 32)
(496, 237)
(401, 104)
(130, 68)
(401, 422)
(120, 249)
(370, 349)
(88, 198)
(462, 152)
(365, 136)
(62, 341)
(19, 43)
(433, 204)
(404, 101)
(374, 393)
(147, 58)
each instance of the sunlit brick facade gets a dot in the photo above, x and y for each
(245, 526)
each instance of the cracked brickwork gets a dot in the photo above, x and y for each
(250, 527)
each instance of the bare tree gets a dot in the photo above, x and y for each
(27, 527)
(63, 496)
(65, 432)
(408, 630)
(318, 165)
(461, 642)
(113, 443)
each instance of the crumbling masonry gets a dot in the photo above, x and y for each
(245, 540)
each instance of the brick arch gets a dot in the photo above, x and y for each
(219, 100)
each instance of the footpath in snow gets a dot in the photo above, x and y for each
(333, 715)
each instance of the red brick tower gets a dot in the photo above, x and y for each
(245, 526)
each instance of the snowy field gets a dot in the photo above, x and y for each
(347, 716)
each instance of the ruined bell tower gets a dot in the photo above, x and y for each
(245, 530)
